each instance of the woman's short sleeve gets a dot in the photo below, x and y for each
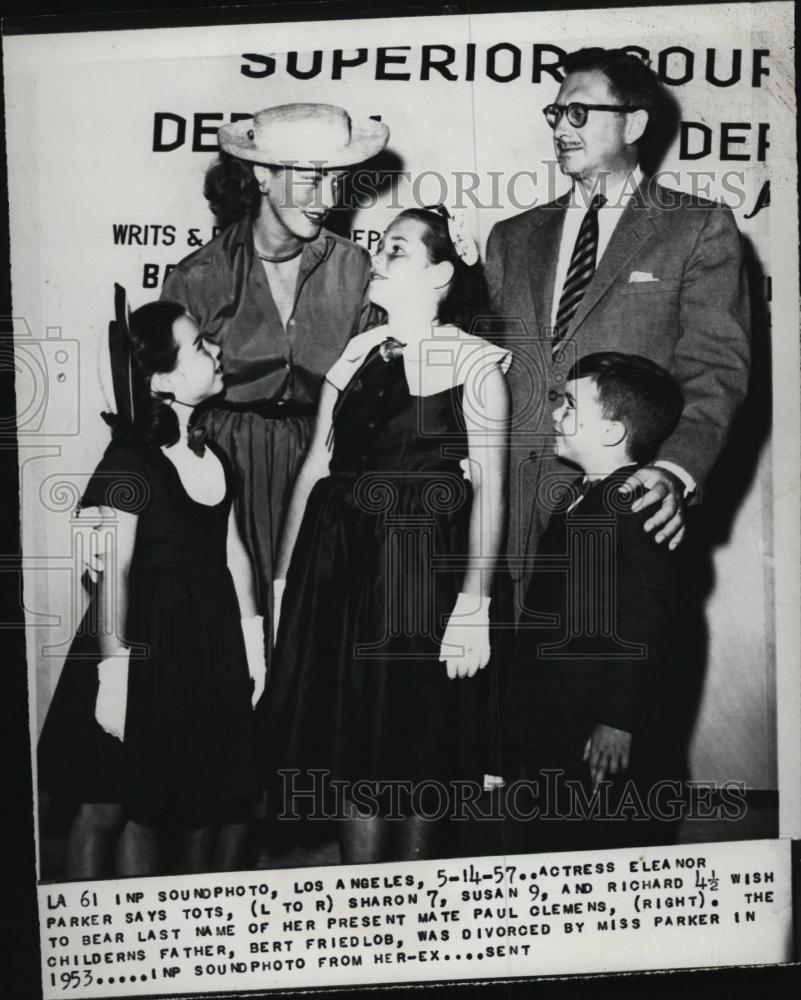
(176, 288)
(121, 480)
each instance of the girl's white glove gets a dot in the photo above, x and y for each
(466, 644)
(279, 586)
(253, 633)
(94, 555)
(112, 693)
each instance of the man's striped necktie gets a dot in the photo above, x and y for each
(580, 272)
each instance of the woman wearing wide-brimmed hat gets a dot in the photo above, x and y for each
(279, 293)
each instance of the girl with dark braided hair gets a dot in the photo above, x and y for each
(150, 727)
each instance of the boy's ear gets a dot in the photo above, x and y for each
(614, 433)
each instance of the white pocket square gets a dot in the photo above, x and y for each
(641, 276)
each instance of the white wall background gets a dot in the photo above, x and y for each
(80, 122)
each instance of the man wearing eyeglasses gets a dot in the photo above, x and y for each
(620, 263)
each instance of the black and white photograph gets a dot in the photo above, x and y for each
(407, 419)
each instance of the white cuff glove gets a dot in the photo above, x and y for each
(253, 632)
(279, 586)
(112, 693)
(466, 645)
(94, 557)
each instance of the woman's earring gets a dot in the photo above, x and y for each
(264, 186)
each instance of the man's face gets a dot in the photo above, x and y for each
(599, 147)
(579, 424)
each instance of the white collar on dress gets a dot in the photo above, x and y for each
(441, 359)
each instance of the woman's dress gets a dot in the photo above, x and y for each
(357, 687)
(188, 750)
(273, 372)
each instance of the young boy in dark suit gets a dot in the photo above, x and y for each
(594, 633)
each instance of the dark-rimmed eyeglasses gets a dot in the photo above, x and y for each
(577, 113)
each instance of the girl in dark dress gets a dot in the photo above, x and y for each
(384, 665)
(151, 721)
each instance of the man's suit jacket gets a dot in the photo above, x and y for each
(693, 319)
(592, 642)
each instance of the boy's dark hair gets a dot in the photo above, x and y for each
(630, 80)
(462, 304)
(639, 393)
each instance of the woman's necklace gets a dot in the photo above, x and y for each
(279, 260)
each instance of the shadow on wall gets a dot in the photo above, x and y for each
(661, 133)
(363, 187)
(711, 522)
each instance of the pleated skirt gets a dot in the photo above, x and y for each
(266, 454)
(357, 690)
(188, 750)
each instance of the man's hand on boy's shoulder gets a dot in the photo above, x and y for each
(607, 751)
(666, 489)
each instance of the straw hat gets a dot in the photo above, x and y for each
(304, 135)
